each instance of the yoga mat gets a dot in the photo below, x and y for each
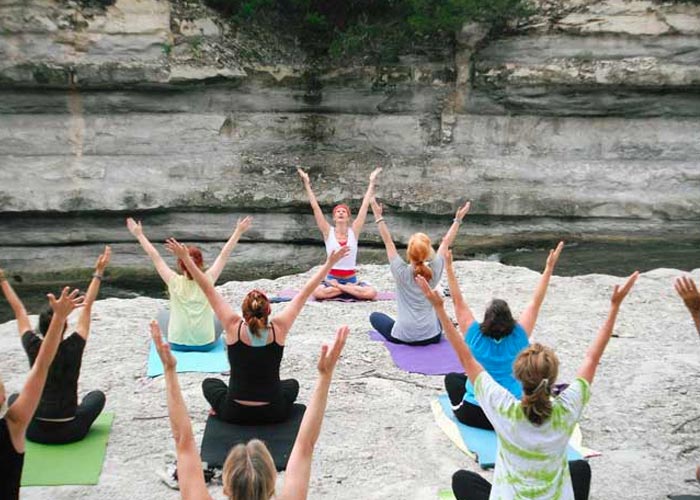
(74, 463)
(479, 444)
(290, 293)
(446, 494)
(214, 361)
(433, 359)
(220, 437)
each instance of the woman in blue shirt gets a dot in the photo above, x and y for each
(495, 343)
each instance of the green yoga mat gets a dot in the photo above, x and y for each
(75, 463)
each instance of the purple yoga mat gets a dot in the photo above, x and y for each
(433, 359)
(290, 293)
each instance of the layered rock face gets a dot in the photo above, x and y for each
(585, 123)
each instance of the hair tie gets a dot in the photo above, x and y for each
(543, 383)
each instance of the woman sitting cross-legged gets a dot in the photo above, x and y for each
(59, 418)
(495, 342)
(416, 323)
(249, 470)
(533, 431)
(255, 345)
(15, 419)
(342, 279)
(189, 324)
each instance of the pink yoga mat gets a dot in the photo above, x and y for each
(433, 359)
(290, 293)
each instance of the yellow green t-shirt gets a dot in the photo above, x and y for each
(191, 317)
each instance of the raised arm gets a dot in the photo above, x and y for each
(321, 221)
(685, 286)
(464, 314)
(597, 347)
(528, 317)
(163, 269)
(378, 210)
(21, 412)
(241, 227)
(359, 221)
(23, 324)
(471, 366)
(296, 480)
(451, 234)
(223, 310)
(189, 466)
(83, 328)
(285, 319)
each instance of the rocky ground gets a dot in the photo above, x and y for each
(379, 440)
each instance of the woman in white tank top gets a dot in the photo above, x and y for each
(342, 279)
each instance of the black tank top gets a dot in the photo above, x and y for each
(11, 464)
(255, 371)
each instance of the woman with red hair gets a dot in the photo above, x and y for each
(190, 323)
(255, 343)
(342, 279)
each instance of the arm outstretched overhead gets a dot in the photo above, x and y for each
(241, 227)
(378, 210)
(528, 317)
(359, 221)
(285, 319)
(164, 271)
(296, 481)
(471, 366)
(451, 234)
(23, 324)
(83, 328)
(189, 465)
(465, 317)
(223, 310)
(21, 412)
(597, 348)
(688, 291)
(321, 221)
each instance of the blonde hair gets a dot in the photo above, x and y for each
(419, 251)
(249, 472)
(536, 367)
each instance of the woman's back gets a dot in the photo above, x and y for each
(255, 365)
(191, 317)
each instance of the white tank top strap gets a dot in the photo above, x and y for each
(350, 260)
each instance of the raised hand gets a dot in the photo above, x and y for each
(433, 296)
(688, 291)
(463, 210)
(377, 208)
(244, 224)
(162, 348)
(337, 255)
(373, 176)
(176, 248)
(329, 356)
(66, 302)
(620, 292)
(553, 256)
(304, 176)
(134, 227)
(103, 260)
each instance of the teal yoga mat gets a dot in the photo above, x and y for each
(74, 463)
(476, 442)
(214, 361)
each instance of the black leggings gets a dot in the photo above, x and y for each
(41, 431)
(384, 324)
(217, 394)
(468, 485)
(465, 412)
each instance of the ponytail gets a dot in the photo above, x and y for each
(537, 368)
(256, 310)
(419, 252)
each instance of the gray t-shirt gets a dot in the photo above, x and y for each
(416, 317)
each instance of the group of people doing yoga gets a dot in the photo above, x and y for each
(508, 384)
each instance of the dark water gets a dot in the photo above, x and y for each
(618, 259)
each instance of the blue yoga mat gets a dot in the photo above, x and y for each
(214, 361)
(481, 442)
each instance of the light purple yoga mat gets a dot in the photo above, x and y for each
(290, 293)
(433, 359)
